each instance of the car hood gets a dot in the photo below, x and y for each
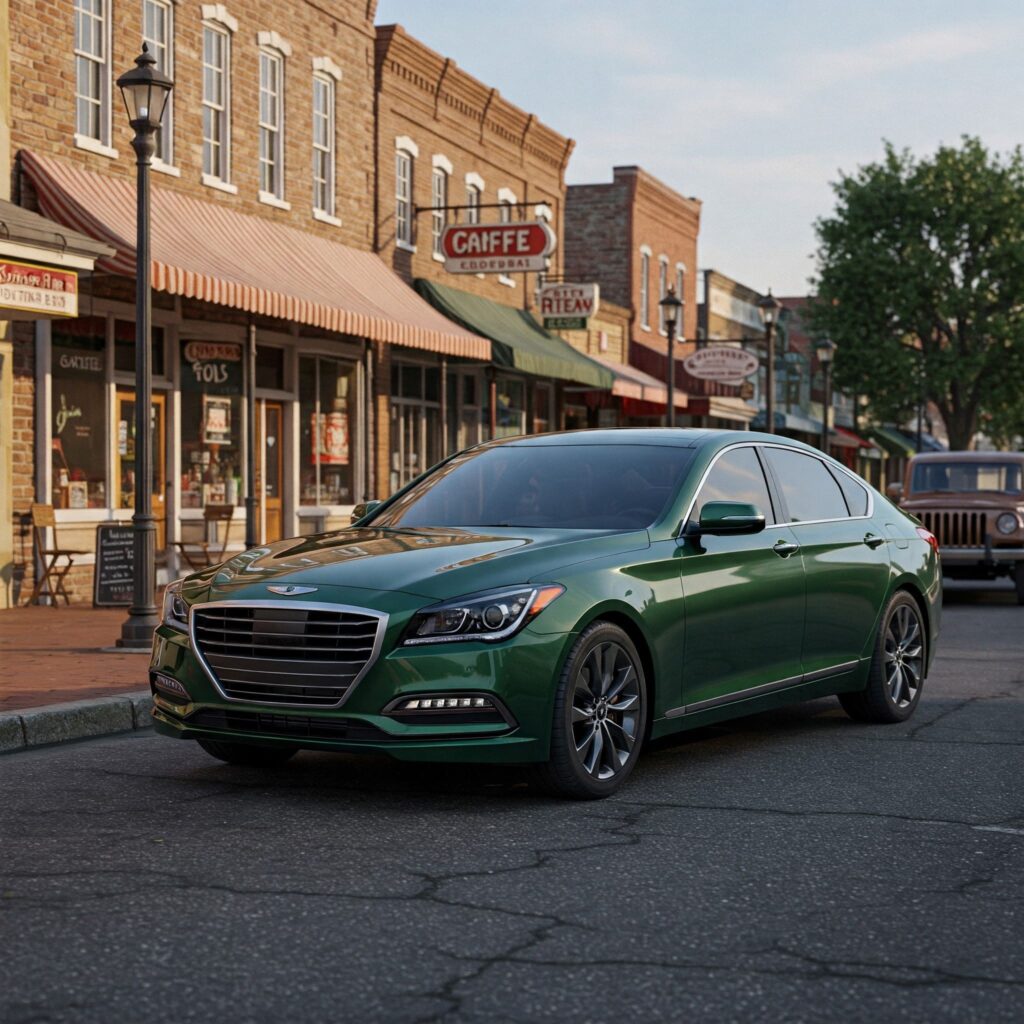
(433, 563)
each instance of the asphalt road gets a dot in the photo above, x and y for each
(792, 866)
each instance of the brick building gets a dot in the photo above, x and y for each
(263, 235)
(637, 237)
(452, 149)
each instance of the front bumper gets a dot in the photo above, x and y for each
(519, 673)
(990, 555)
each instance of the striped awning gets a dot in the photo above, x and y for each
(207, 251)
(633, 383)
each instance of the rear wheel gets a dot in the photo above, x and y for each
(599, 718)
(251, 754)
(1018, 579)
(897, 667)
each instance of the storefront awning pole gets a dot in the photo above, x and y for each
(250, 437)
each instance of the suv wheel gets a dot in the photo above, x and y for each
(251, 754)
(600, 716)
(897, 667)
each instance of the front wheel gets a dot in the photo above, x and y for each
(251, 754)
(897, 667)
(599, 718)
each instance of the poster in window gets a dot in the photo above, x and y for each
(216, 420)
(331, 432)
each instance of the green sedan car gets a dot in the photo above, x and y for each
(557, 601)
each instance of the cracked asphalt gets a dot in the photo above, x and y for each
(793, 866)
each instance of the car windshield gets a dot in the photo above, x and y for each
(967, 476)
(566, 487)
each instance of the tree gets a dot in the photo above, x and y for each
(921, 286)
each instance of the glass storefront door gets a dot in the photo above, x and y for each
(124, 466)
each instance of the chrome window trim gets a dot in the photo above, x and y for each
(786, 447)
(318, 606)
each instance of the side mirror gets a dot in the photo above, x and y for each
(894, 491)
(364, 508)
(730, 518)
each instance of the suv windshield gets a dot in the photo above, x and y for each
(966, 476)
(567, 487)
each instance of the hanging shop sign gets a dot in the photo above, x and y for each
(568, 307)
(513, 248)
(212, 367)
(41, 290)
(746, 391)
(723, 363)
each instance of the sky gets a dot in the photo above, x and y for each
(753, 106)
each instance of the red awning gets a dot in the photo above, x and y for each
(633, 383)
(209, 252)
(849, 435)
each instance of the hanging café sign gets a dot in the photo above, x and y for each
(510, 248)
(568, 307)
(40, 290)
(723, 363)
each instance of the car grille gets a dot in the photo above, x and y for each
(269, 654)
(956, 529)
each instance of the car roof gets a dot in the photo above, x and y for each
(969, 457)
(677, 437)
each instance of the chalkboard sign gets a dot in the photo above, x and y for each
(113, 578)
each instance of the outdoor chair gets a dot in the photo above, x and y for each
(50, 574)
(213, 547)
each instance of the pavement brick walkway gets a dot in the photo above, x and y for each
(52, 655)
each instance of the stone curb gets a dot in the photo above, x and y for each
(75, 720)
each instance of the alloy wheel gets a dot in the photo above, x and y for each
(607, 710)
(904, 656)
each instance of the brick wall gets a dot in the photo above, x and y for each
(597, 239)
(43, 99)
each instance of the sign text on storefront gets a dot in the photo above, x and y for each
(42, 290)
(497, 248)
(567, 307)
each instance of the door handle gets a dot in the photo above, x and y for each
(873, 541)
(785, 548)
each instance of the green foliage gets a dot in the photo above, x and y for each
(921, 286)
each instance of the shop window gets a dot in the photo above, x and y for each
(323, 143)
(271, 134)
(124, 348)
(78, 420)
(327, 410)
(270, 367)
(415, 421)
(510, 416)
(216, 92)
(158, 33)
(92, 70)
(212, 377)
(542, 409)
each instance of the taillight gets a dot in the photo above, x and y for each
(928, 536)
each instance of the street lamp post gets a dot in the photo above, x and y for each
(769, 308)
(145, 91)
(672, 310)
(826, 351)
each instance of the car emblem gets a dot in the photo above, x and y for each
(290, 589)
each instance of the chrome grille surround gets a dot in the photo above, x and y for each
(956, 529)
(258, 652)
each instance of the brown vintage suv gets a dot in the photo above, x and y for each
(974, 504)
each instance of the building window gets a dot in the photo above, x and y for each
(271, 117)
(403, 197)
(472, 204)
(506, 201)
(92, 72)
(662, 292)
(438, 200)
(216, 94)
(645, 281)
(158, 33)
(681, 295)
(323, 144)
(327, 410)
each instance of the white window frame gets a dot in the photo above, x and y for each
(440, 181)
(219, 25)
(645, 287)
(474, 197)
(662, 292)
(165, 137)
(273, 57)
(405, 157)
(95, 143)
(507, 201)
(327, 72)
(681, 295)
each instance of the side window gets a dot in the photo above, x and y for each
(736, 476)
(855, 495)
(807, 486)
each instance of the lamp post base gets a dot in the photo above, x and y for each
(137, 631)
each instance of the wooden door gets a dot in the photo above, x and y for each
(270, 468)
(124, 472)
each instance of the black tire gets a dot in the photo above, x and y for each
(603, 657)
(251, 754)
(1018, 581)
(896, 677)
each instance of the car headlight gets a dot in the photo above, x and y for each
(1007, 523)
(175, 611)
(491, 616)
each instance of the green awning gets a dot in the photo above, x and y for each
(518, 341)
(892, 441)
